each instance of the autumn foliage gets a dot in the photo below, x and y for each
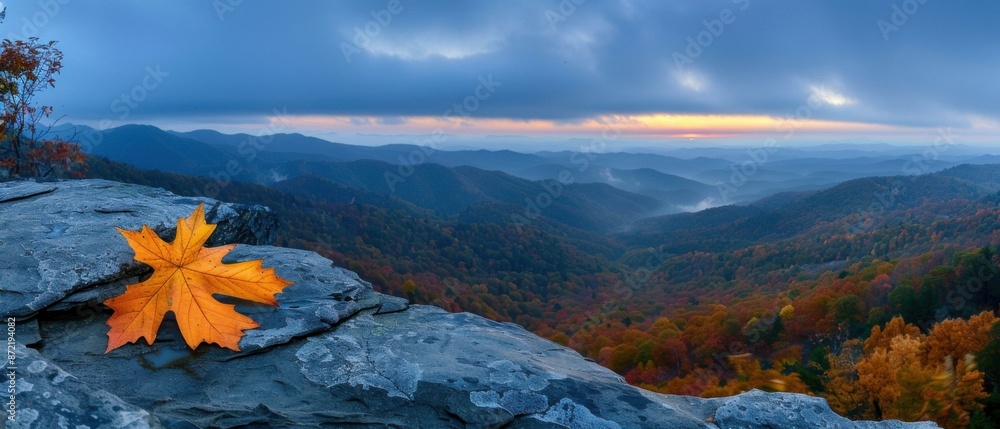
(793, 314)
(26, 68)
(910, 375)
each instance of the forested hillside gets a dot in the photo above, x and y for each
(801, 292)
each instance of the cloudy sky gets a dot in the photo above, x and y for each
(665, 72)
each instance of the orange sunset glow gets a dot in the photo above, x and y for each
(687, 126)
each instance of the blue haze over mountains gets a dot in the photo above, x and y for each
(606, 192)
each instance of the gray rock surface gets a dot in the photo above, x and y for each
(321, 296)
(335, 353)
(48, 397)
(791, 410)
(59, 239)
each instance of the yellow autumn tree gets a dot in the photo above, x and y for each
(953, 394)
(750, 375)
(787, 312)
(843, 392)
(956, 338)
(911, 376)
(881, 337)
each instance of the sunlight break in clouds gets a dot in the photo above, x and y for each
(830, 96)
(690, 80)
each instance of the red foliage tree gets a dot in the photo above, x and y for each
(26, 68)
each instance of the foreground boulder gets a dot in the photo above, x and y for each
(335, 353)
(58, 239)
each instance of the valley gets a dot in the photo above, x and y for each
(664, 297)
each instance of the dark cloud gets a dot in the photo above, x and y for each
(553, 61)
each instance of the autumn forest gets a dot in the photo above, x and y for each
(886, 315)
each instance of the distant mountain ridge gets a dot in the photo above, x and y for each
(148, 147)
(853, 206)
(451, 191)
(598, 192)
(447, 191)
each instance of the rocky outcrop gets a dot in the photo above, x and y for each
(59, 239)
(335, 353)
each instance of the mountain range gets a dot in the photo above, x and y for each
(595, 191)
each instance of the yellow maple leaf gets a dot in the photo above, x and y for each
(185, 276)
